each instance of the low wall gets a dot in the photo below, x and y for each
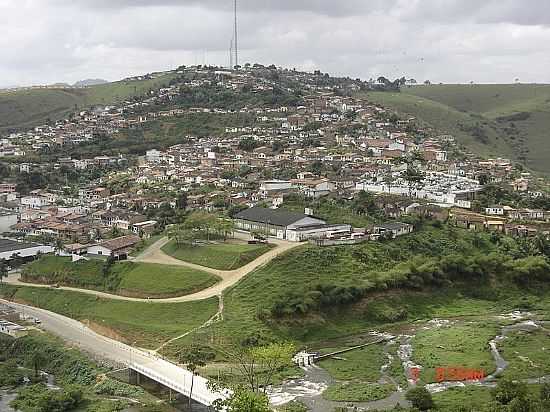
(337, 242)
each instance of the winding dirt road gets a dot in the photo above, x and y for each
(154, 254)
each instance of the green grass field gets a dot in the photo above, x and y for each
(149, 324)
(358, 392)
(469, 397)
(455, 346)
(152, 280)
(456, 108)
(223, 256)
(27, 108)
(124, 278)
(361, 364)
(527, 354)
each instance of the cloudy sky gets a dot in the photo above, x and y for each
(46, 41)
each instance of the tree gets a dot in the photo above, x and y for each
(507, 390)
(414, 178)
(181, 201)
(420, 398)
(107, 266)
(16, 261)
(3, 270)
(58, 245)
(115, 231)
(244, 400)
(259, 364)
(194, 357)
(36, 360)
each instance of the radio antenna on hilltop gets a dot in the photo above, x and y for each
(235, 44)
(231, 54)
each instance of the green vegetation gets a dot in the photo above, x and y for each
(531, 398)
(248, 305)
(223, 256)
(40, 398)
(360, 212)
(470, 398)
(27, 108)
(454, 346)
(360, 364)
(123, 278)
(510, 120)
(420, 398)
(527, 354)
(293, 406)
(358, 392)
(167, 132)
(148, 324)
(81, 380)
(139, 279)
(144, 244)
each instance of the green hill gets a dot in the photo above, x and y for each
(495, 120)
(27, 108)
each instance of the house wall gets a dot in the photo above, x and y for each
(250, 226)
(6, 221)
(294, 235)
(99, 250)
(31, 251)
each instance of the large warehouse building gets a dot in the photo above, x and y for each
(284, 224)
(9, 248)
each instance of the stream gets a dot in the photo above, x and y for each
(6, 396)
(309, 388)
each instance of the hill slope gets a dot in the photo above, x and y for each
(505, 120)
(27, 108)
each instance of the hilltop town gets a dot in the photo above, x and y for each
(275, 218)
(271, 135)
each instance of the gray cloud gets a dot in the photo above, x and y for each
(445, 40)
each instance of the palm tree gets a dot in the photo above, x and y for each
(58, 245)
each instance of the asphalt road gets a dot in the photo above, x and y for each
(149, 364)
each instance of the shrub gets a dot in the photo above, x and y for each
(420, 398)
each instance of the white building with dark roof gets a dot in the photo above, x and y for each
(284, 224)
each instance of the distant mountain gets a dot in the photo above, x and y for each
(89, 82)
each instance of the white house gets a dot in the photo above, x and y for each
(34, 202)
(495, 210)
(118, 247)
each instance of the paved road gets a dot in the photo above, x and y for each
(149, 364)
(154, 255)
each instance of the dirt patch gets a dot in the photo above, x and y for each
(104, 330)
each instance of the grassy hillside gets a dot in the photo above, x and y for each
(27, 108)
(123, 278)
(223, 256)
(149, 324)
(292, 279)
(505, 120)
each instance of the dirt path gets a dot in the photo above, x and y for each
(155, 255)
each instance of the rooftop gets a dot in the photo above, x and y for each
(8, 245)
(277, 217)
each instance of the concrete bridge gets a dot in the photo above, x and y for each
(145, 363)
